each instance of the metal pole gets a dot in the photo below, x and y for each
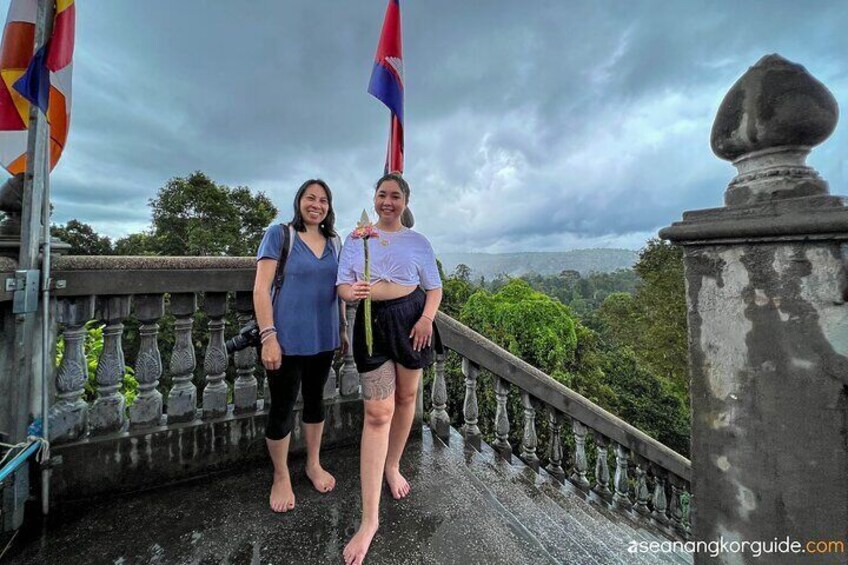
(46, 350)
(41, 166)
(35, 215)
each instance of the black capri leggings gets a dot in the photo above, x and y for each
(307, 372)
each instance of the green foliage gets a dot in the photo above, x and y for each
(196, 216)
(526, 323)
(93, 347)
(143, 243)
(82, 239)
(583, 295)
(653, 322)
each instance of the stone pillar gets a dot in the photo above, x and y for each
(108, 411)
(348, 375)
(246, 387)
(69, 416)
(768, 325)
(215, 362)
(146, 411)
(182, 398)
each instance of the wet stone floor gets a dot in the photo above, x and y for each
(226, 519)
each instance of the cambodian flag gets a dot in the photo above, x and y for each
(387, 82)
(42, 78)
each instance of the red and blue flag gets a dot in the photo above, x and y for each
(387, 82)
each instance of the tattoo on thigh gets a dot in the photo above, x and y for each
(379, 384)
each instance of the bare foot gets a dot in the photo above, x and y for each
(398, 485)
(282, 495)
(321, 479)
(355, 550)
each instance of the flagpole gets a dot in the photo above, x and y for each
(35, 214)
(42, 163)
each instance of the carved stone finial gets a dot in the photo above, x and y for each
(775, 103)
(767, 124)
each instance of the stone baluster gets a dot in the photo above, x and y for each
(687, 513)
(330, 391)
(469, 408)
(602, 474)
(182, 398)
(147, 408)
(659, 498)
(642, 493)
(215, 362)
(246, 387)
(529, 441)
(349, 376)
(108, 414)
(554, 466)
(439, 419)
(581, 462)
(501, 443)
(266, 392)
(69, 415)
(675, 508)
(621, 482)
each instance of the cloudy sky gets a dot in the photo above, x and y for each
(530, 126)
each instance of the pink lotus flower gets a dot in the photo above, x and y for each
(365, 230)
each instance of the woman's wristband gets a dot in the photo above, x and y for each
(428, 317)
(268, 336)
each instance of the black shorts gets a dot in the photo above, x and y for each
(391, 323)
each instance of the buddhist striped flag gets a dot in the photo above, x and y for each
(42, 78)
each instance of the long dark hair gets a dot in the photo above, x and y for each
(406, 219)
(327, 227)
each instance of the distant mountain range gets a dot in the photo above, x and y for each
(585, 261)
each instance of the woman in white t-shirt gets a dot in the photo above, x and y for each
(406, 291)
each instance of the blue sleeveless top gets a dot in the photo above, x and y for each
(306, 313)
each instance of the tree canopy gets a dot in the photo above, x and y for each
(82, 239)
(193, 215)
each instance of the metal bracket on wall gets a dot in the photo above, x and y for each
(25, 286)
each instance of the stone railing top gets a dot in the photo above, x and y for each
(149, 262)
(123, 275)
(504, 364)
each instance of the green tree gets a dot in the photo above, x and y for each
(653, 322)
(143, 243)
(462, 272)
(527, 323)
(82, 239)
(196, 216)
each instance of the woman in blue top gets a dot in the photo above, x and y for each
(406, 291)
(300, 332)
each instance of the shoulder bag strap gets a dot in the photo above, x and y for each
(285, 249)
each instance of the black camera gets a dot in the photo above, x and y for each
(247, 336)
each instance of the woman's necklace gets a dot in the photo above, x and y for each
(386, 239)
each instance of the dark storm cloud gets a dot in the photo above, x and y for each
(545, 125)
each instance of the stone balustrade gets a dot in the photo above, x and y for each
(179, 423)
(647, 480)
(111, 290)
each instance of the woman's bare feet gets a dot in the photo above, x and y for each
(355, 550)
(398, 485)
(321, 479)
(282, 495)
